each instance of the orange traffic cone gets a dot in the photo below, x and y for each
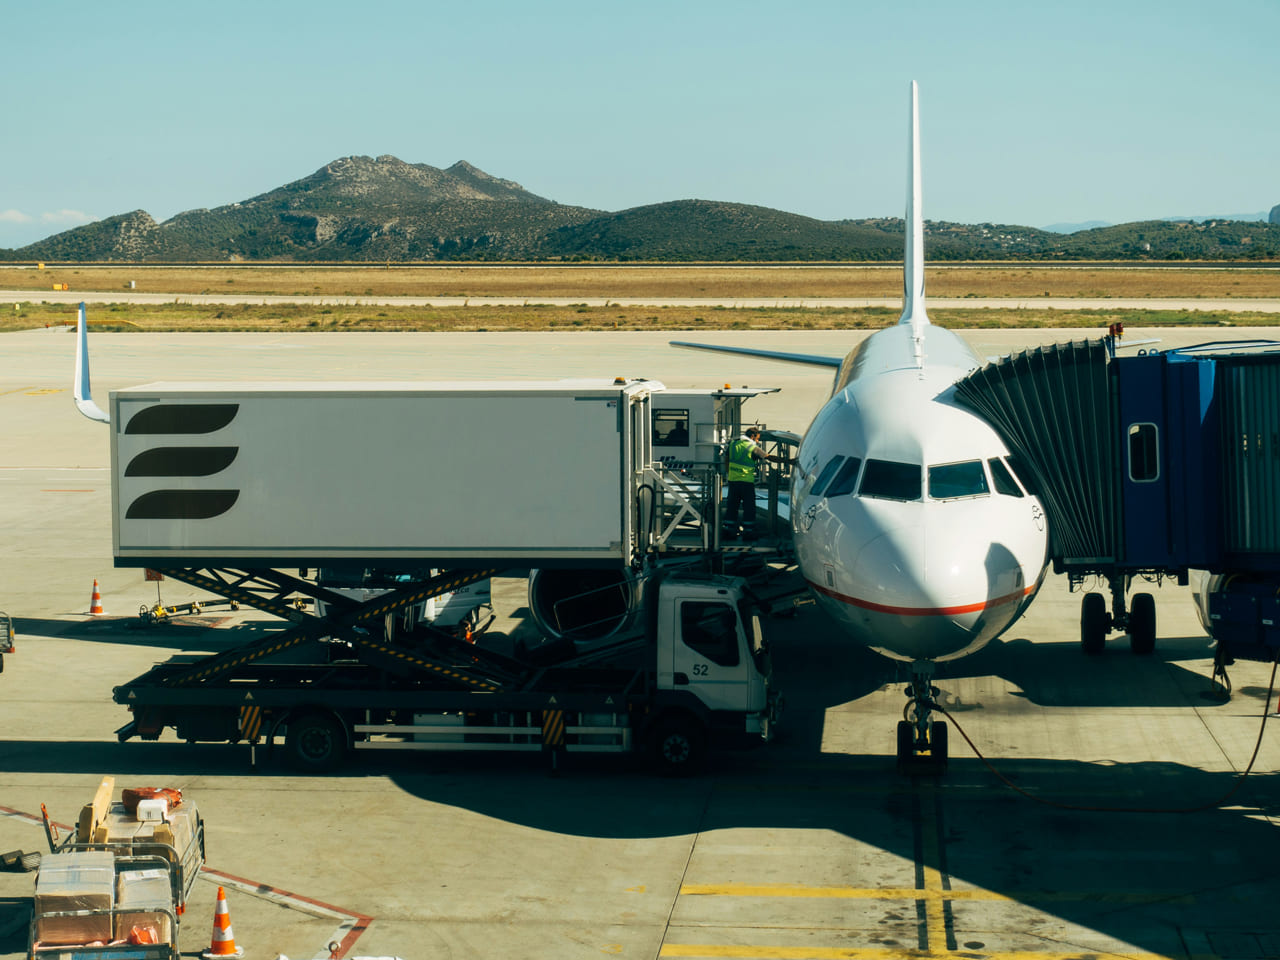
(95, 602)
(223, 943)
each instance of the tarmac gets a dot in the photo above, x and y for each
(1093, 806)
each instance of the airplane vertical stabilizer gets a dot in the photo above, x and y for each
(913, 311)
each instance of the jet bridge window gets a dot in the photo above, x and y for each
(825, 476)
(1144, 452)
(711, 629)
(887, 480)
(949, 481)
(670, 428)
(845, 479)
(1003, 479)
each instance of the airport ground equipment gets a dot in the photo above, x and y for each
(117, 886)
(1152, 466)
(693, 674)
(6, 637)
(391, 500)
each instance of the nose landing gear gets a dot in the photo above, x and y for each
(922, 740)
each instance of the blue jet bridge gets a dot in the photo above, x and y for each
(1152, 466)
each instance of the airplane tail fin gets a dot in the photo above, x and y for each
(81, 389)
(913, 310)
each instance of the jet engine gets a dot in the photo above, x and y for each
(585, 606)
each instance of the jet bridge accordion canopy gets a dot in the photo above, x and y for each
(1051, 405)
(1158, 462)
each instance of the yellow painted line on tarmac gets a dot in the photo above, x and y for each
(880, 953)
(911, 893)
(932, 890)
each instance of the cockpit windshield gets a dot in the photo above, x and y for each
(947, 481)
(887, 480)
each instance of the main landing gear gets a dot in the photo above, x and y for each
(1139, 620)
(922, 740)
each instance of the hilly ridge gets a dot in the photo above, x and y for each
(362, 208)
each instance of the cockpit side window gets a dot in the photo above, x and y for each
(825, 476)
(947, 481)
(1022, 473)
(887, 480)
(1003, 480)
(845, 479)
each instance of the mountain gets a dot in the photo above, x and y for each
(1246, 217)
(1076, 227)
(379, 209)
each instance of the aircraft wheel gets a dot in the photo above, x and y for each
(1142, 624)
(906, 741)
(1093, 623)
(938, 742)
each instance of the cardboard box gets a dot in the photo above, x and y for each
(75, 881)
(144, 898)
(151, 836)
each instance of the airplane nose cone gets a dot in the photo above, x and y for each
(925, 594)
(890, 567)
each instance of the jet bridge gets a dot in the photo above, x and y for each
(1151, 466)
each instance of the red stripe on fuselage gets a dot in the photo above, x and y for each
(923, 611)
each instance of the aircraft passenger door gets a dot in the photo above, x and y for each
(708, 657)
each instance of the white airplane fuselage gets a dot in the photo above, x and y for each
(918, 549)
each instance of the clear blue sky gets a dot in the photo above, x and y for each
(1032, 113)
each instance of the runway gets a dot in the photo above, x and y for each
(812, 847)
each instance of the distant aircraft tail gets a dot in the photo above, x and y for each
(81, 389)
(913, 311)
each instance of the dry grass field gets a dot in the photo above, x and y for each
(979, 280)
(621, 281)
(305, 317)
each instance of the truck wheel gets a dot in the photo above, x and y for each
(315, 742)
(679, 746)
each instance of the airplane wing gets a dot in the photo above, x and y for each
(812, 359)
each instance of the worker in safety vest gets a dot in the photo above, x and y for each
(743, 454)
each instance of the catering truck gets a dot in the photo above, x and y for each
(692, 675)
(269, 494)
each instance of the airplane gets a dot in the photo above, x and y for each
(912, 526)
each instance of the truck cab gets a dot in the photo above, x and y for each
(714, 673)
